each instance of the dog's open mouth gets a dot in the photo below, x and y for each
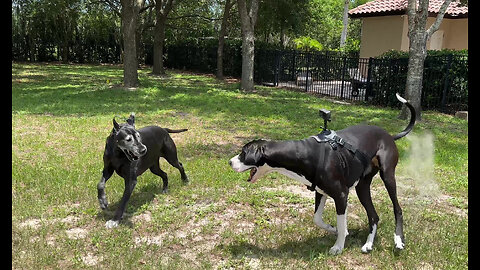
(253, 171)
(130, 155)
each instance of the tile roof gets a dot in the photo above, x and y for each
(396, 7)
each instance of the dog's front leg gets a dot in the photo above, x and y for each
(130, 183)
(342, 232)
(102, 198)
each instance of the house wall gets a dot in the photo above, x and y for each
(380, 34)
(456, 37)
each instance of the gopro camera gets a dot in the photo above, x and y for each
(326, 115)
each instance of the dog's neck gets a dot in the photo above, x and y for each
(295, 163)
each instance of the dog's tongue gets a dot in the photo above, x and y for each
(252, 173)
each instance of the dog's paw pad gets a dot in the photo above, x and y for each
(111, 224)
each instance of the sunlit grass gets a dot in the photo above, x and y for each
(62, 114)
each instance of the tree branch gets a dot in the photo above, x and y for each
(113, 6)
(143, 9)
(434, 27)
(193, 16)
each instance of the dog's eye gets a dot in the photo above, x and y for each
(128, 138)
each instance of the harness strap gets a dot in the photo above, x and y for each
(322, 161)
(334, 141)
(358, 154)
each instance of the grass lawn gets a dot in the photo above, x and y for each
(62, 114)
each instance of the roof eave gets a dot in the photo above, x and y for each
(402, 12)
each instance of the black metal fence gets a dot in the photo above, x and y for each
(445, 78)
(347, 77)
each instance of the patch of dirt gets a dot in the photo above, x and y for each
(76, 233)
(145, 217)
(91, 260)
(295, 189)
(31, 223)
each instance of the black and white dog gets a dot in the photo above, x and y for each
(336, 174)
(130, 152)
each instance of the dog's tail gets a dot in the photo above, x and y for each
(175, 130)
(412, 118)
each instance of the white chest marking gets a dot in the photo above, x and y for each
(297, 177)
(354, 185)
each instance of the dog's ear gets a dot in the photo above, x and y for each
(131, 119)
(255, 155)
(116, 126)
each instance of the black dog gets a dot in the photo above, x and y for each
(334, 172)
(130, 152)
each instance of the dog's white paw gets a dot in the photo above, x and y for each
(112, 224)
(367, 247)
(335, 250)
(398, 242)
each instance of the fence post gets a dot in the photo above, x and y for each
(294, 66)
(446, 84)
(343, 75)
(279, 58)
(369, 77)
(308, 68)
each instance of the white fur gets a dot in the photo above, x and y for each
(317, 218)
(341, 234)
(401, 98)
(299, 178)
(354, 184)
(398, 242)
(112, 224)
(238, 166)
(369, 244)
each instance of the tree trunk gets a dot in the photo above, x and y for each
(221, 38)
(158, 42)
(248, 20)
(129, 27)
(413, 87)
(343, 37)
(248, 60)
(162, 8)
(418, 36)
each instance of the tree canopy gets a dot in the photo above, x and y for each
(90, 30)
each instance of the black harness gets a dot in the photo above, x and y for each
(331, 137)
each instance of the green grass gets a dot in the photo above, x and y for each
(62, 114)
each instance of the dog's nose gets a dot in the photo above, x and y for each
(230, 163)
(143, 151)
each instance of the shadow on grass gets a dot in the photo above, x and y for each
(83, 90)
(139, 197)
(306, 249)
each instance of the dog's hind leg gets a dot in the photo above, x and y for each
(155, 169)
(102, 198)
(363, 193)
(317, 217)
(170, 154)
(388, 161)
(388, 178)
(342, 232)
